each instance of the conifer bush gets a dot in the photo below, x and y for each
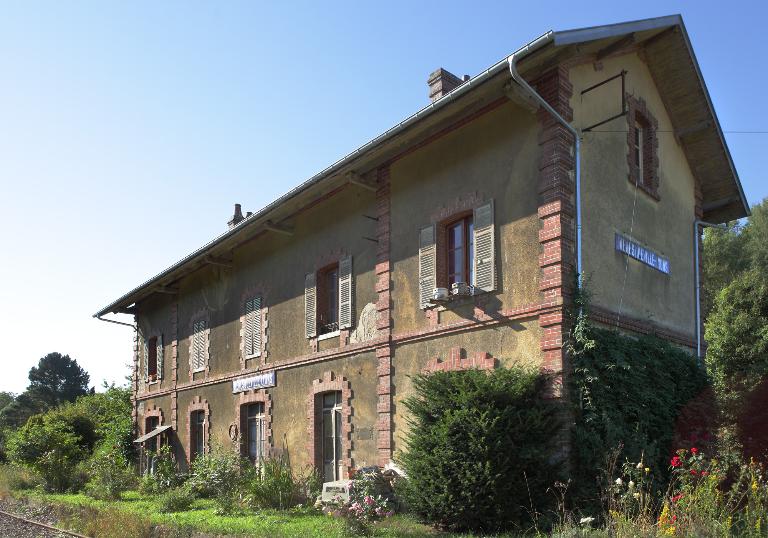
(479, 450)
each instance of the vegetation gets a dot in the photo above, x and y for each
(627, 393)
(479, 448)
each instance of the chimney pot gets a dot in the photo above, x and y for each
(237, 218)
(441, 82)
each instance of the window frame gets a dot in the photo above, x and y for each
(335, 412)
(466, 219)
(151, 359)
(197, 433)
(323, 291)
(260, 418)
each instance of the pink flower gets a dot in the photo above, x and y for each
(369, 500)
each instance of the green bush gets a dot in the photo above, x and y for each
(17, 478)
(220, 475)
(50, 448)
(627, 393)
(479, 448)
(177, 499)
(274, 485)
(110, 474)
(165, 476)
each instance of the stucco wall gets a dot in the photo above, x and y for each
(494, 156)
(610, 200)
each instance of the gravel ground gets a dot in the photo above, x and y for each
(10, 527)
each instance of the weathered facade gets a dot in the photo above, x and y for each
(297, 330)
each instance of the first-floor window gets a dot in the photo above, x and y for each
(328, 299)
(152, 358)
(459, 243)
(197, 437)
(151, 448)
(331, 431)
(254, 431)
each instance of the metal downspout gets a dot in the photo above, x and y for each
(513, 59)
(697, 278)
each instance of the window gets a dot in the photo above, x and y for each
(152, 359)
(328, 299)
(459, 251)
(638, 150)
(198, 350)
(331, 432)
(197, 434)
(253, 429)
(642, 142)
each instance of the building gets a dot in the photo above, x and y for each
(297, 330)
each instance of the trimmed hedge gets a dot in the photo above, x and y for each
(478, 450)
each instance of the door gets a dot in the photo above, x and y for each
(255, 432)
(332, 466)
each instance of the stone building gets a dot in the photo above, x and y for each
(450, 241)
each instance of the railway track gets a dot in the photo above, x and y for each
(12, 525)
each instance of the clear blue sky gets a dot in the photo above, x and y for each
(129, 129)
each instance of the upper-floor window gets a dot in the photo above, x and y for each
(199, 345)
(328, 299)
(460, 250)
(152, 358)
(643, 147)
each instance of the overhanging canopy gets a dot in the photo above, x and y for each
(154, 433)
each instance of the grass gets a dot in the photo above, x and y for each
(201, 517)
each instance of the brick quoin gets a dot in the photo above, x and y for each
(556, 235)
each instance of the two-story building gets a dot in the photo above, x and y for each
(450, 241)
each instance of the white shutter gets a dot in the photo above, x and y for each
(146, 359)
(160, 357)
(252, 329)
(427, 259)
(345, 293)
(198, 345)
(485, 248)
(310, 305)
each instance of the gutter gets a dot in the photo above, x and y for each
(335, 167)
(697, 278)
(512, 60)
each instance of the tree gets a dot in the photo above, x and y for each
(57, 379)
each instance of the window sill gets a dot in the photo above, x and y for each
(456, 300)
(326, 336)
(153, 382)
(254, 356)
(198, 370)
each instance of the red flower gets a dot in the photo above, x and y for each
(677, 498)
(694, 451)
(694, 472)
(704, 473)
(675, 461)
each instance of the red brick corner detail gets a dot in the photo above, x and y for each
(479, 361)
(329, 383)
(153, 411)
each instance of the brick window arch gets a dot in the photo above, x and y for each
(198, 405)
(245, 399)
(329, 383)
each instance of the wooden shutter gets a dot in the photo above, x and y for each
(427, 259)
(252, 328)
(345, 293)
(160, 357)
(198, 345)
(310, 305)
(146, 359)
(485, 248)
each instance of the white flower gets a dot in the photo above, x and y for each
(631, 484)
(586, 521)
(636, 495)
(619, 482)
(639, 466)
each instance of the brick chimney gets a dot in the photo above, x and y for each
(237, 218)
(441, 82)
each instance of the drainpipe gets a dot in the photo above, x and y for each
(697, 278)
(513, 59)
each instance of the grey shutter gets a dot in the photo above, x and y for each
(310, 305)
(485, 248)
(160, 357)
(253, 327)
(345, 293)
(427, 259)
(198, 345)
(146, 359)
